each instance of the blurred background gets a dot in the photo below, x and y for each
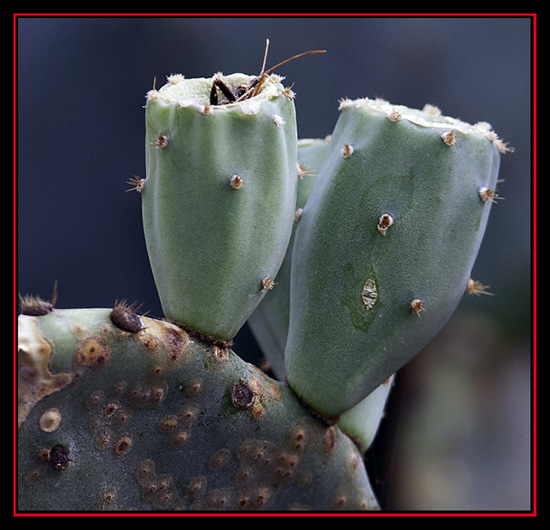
(457, 435)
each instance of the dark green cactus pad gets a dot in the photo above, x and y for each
(126, 413)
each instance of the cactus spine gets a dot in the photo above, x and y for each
(219, 197)
(385, 246)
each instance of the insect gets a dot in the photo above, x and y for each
(246, 91)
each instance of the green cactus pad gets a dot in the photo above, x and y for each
(269, 321)
(219, 198)
(126, 413)
(385, 246)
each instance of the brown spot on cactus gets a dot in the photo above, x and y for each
(188, 414)
(122, 418)
(286, 464)
(256, 451)
(120, 387)
(107, 499)
(92, 353)
(193, 388)
(110, 409)
(50, 420)
(144, 396)
(180, 438)
(59, 457)
(330, 439)
(148, 341)
(243, 474)
(124, 317)
(43, 454)
(94, 399)
(145, 471)
(33, 476)
(242, 395)
(168, 423)
(220, 354)
(123, 446)
(218, 499)
(369, 293)
(219, 459)
(34, 379)
(196, 486)
(297, 438)
(160, 492)
(175, 340)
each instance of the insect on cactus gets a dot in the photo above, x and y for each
(345, 255)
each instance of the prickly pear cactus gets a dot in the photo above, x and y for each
(385, 246)
(368, 241)
(122, 412)
(269, 321)
(219, 197)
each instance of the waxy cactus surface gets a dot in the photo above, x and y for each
(126, 417)
(269, 321)
(385, 246)
(219, 198)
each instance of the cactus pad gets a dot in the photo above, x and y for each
(126, 413)
(219, 197)
(385, 246)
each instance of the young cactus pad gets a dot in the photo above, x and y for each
(122, 412)
(218, 198)
(385, 246)
(269, 322)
